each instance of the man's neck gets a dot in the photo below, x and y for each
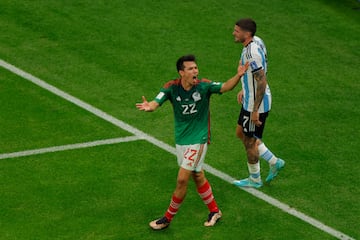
(247, 41)
(186, 86)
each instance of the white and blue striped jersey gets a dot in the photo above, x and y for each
(261, 44)
(256, 56)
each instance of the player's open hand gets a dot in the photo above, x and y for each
(242, 69)
(144, 106)
(255, 119)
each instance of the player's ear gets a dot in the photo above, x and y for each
(181, 73)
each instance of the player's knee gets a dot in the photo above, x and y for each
(251, 152)
(250, 143)
(258, 142)
(199, 178)
(181, 182)
(198, 175)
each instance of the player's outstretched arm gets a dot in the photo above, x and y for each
(232, 82)
(147, 106)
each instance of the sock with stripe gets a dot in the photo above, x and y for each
(207, 196)
(266, 154)
(173, 207)
(254, 170)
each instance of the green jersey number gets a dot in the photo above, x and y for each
(189, 109)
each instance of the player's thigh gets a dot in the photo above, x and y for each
(239, 132)
(191, 157)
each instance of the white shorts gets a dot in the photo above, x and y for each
(191, 157)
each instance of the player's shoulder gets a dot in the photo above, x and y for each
(171, 83)
(254, 46)
(207, 84)
(258, 40)
(253, 50)
(260, 43)
(205, 80)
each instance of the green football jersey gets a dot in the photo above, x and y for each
(191, 109)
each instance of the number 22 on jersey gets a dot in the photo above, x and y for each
(189, 109)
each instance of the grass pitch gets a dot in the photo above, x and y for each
(109, 53)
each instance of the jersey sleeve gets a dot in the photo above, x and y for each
(162, 96)
(213, 87)
(255, 61)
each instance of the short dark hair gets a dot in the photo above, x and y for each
(247, 24)
(181, 60)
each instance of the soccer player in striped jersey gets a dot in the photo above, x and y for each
(190, 98)
(255, 98)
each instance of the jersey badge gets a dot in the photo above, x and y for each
(253, 65)
(196, 96)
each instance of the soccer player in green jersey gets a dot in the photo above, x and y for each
(190, 98)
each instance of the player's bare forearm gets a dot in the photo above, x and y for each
(261, 87)
(147, 106)
(230, 84)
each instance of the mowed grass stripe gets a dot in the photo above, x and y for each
(169, 148)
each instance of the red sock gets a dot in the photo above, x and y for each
(207, 196)
(173, 208)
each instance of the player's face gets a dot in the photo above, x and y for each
(239, 34)
(190, 72)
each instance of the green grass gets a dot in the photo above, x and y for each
(109, 53)
(99, 194)
(33, 118)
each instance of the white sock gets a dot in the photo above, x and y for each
(254, 170)
(266, 154)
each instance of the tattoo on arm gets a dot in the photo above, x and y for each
(261, 87)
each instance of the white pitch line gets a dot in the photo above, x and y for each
(170, 149)
(69, 147)
(286, 208)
